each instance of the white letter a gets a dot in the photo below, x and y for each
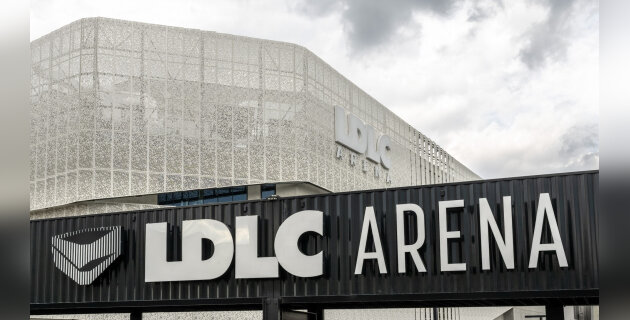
(546, 209)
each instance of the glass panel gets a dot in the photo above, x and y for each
(267, 190)
(239, 193)
(210, 200)
(190, 195)
(223, 195)
(239, 197)
(208, 193)
(194, 202)
(195, 197)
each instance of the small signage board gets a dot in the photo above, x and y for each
(525, 240)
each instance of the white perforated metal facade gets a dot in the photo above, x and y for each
(124, 108)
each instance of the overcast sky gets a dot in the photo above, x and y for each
(507, 87)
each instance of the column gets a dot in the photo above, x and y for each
(271, 309)
(554, 312)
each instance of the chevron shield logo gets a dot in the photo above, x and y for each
(83, 255)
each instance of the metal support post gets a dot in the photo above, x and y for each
(271, 309)
(554, 312)
(319, 312)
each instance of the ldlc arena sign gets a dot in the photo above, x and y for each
(516, 241)
(249, 265)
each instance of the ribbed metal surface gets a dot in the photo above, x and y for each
(574, 197)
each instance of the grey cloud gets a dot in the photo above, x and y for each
(318, 7)
(370, 23)
(480, 12)
(580, 138)
(549, 39)
(587, 161)
(580, 146)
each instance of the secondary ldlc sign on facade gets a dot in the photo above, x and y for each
(243, 247)
(361, 139)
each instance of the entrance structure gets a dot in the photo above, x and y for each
(147, 123)
(562, 207)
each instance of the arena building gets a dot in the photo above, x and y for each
(128, 115)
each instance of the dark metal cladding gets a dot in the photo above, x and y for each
(121, 287)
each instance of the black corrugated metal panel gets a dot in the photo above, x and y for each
(574, 197)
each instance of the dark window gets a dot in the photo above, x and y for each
(210, 200)
(193, 197)
(208, 196)
(239, 193)
(267, 190)
(190, 198)
(223, 195)
(190, 195)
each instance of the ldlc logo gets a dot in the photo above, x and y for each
(361, 138)
(351, 132)
(83, 255)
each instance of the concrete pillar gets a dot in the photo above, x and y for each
(253, 192)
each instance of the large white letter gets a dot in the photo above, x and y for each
(412, 249)
(248, 264)
(356, 129)
(369, 222)
(287, 251)
(192, 267)
(350, 131)
(341, 127)
(505, 245)
(384, 143)
(372, 149)
(445, 235)
(546, 209)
